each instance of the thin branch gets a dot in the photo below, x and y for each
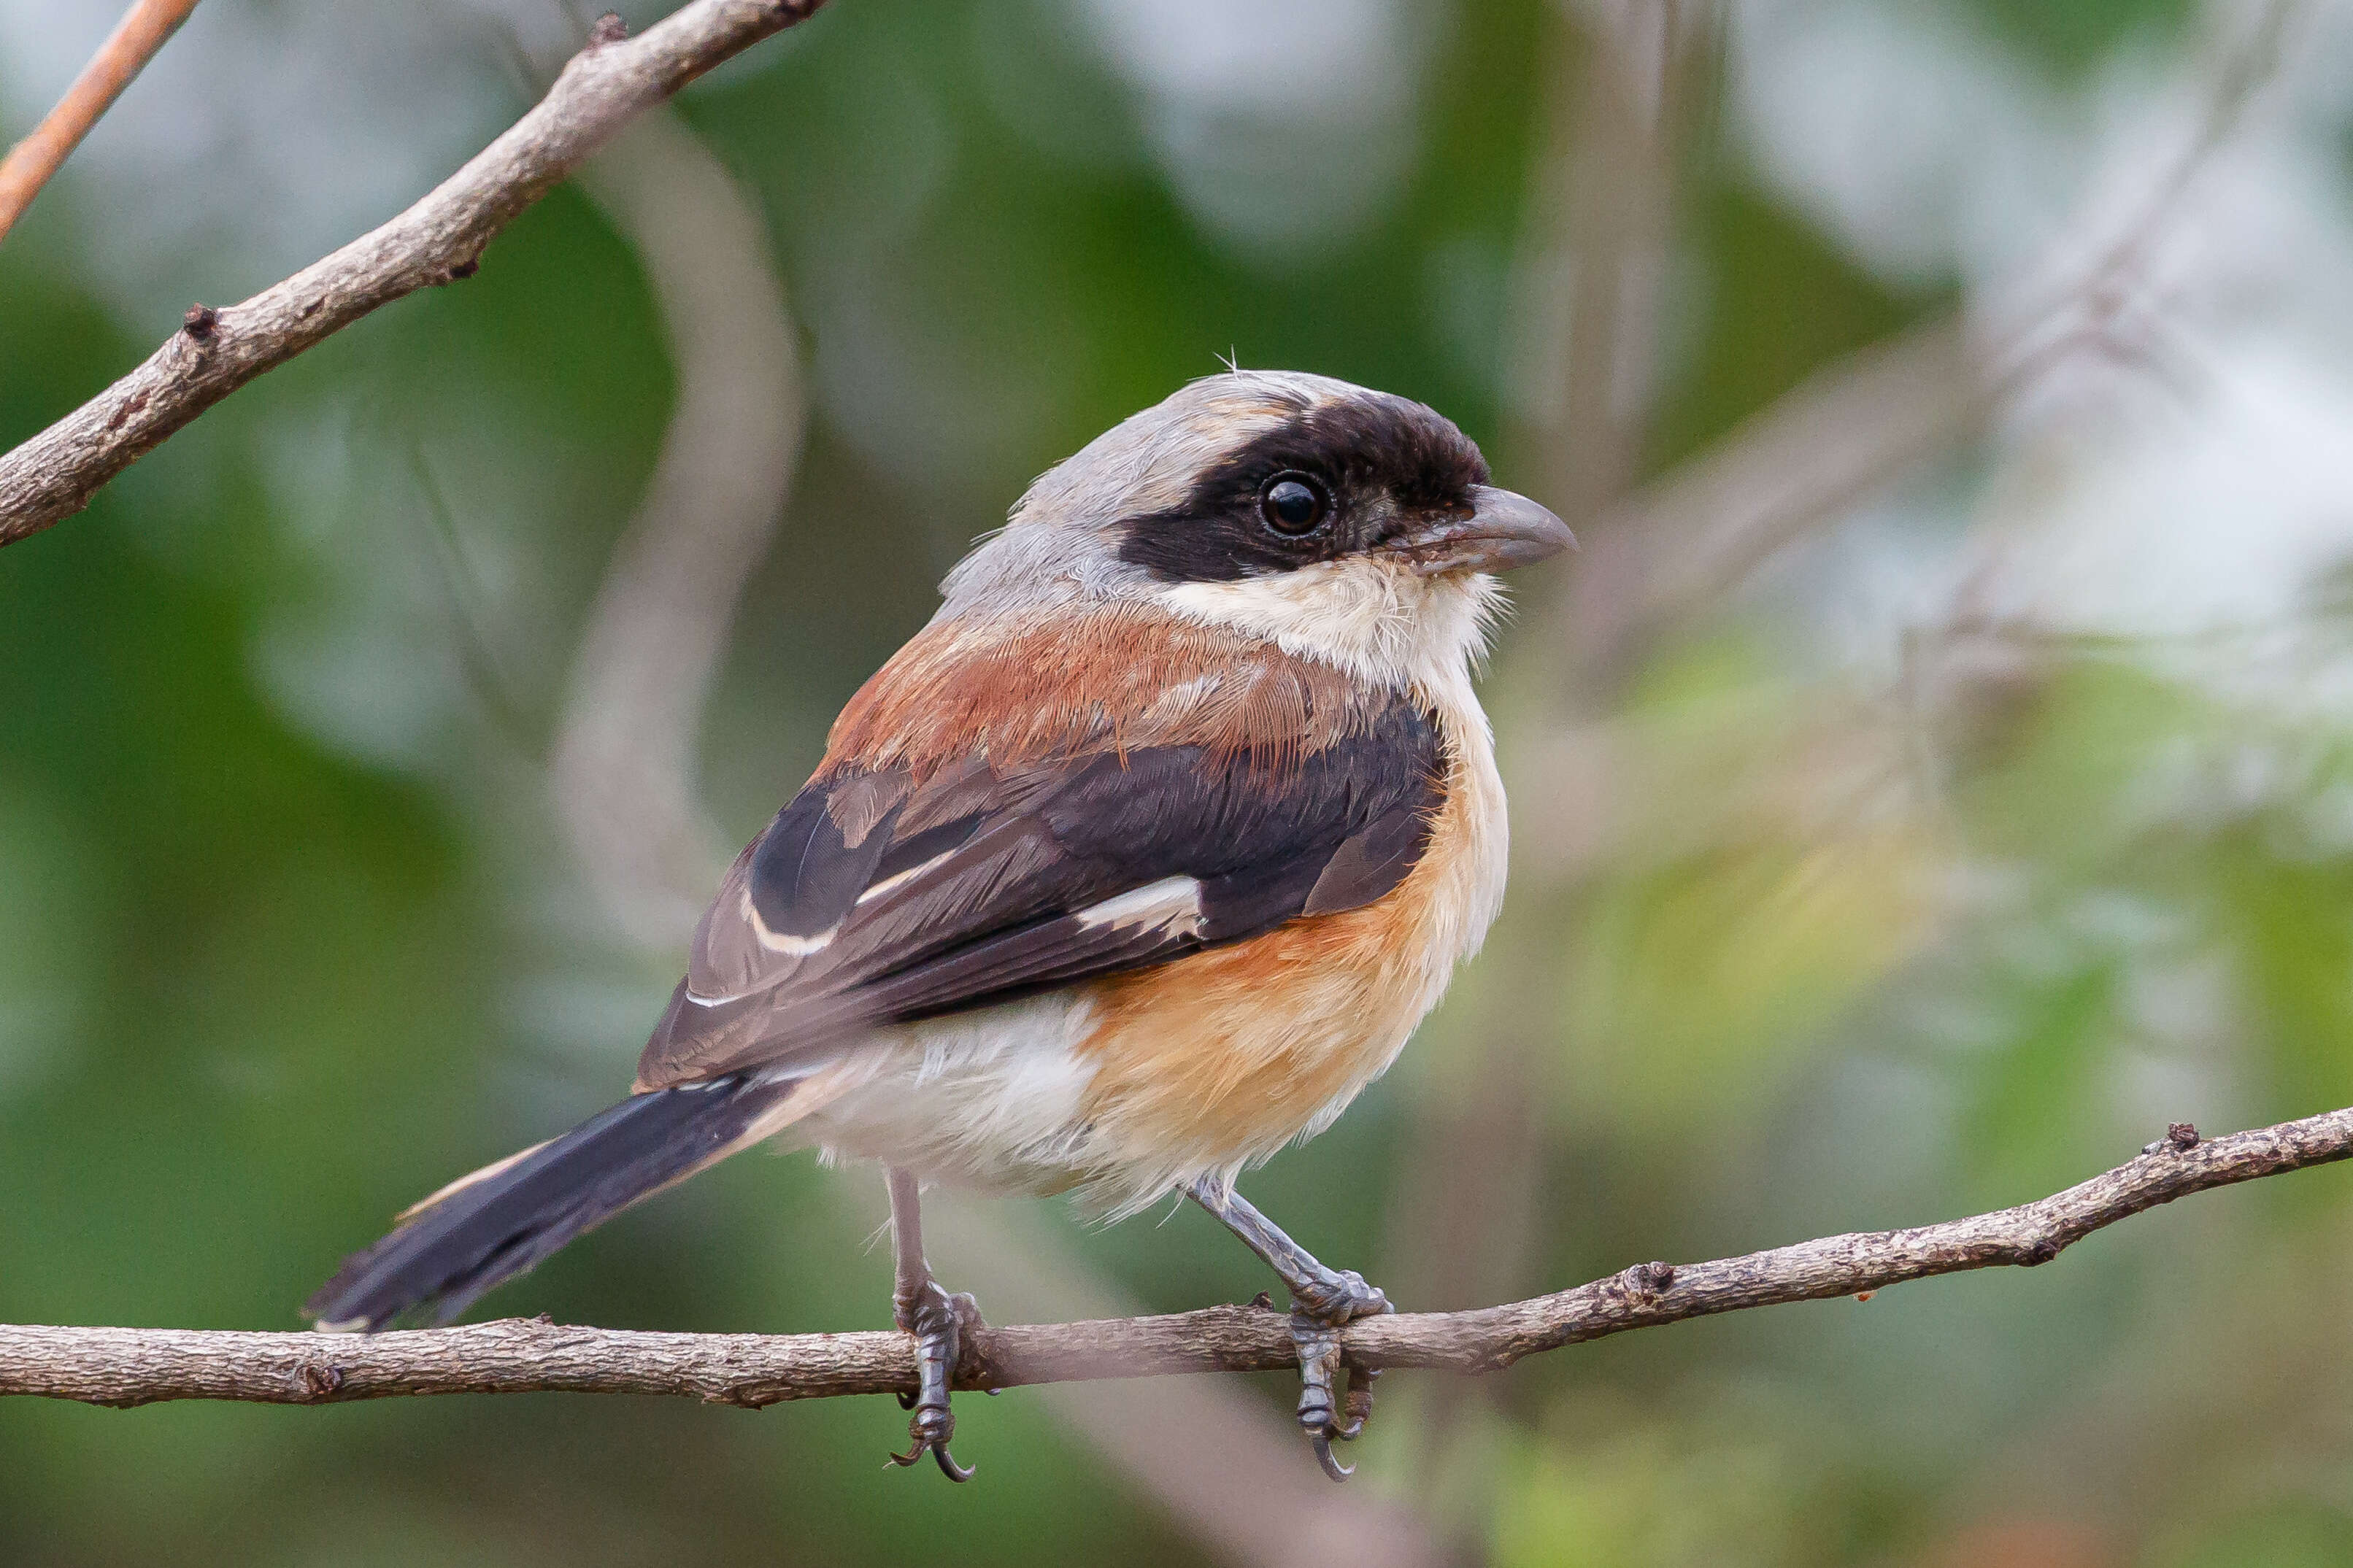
(34, 161)
(139, 1366)
(437, 240)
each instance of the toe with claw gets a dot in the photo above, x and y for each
(1324, 1300)
(1318, 1315)
(939, 1322)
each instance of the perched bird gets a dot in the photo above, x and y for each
(1136, 864)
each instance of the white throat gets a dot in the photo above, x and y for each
(1382, 622)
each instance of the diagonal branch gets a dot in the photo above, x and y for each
(139, 1366)
(437, 240)
(34, 161)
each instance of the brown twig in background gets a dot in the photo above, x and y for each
(1659, 556)
(437, 240)
(141, 1366)
(32, 163)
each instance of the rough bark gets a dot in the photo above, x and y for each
(138, 1366)
(439, 240)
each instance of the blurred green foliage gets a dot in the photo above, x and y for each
(293, 937)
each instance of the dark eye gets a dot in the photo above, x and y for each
(1293, 504)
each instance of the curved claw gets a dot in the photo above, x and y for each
(937, 1450)
(1326, 1419)
(939, 1322)
(1324, 1301)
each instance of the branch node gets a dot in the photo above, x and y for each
(2042, 1251)
(201, 321)
(320, 1379)
(460, 270)
(1649, 1281)
(606, 29)
(123, 411)
(2179, 1138)
(750, 1394)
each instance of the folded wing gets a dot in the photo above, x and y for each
(881, 896)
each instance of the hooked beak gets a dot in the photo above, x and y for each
(1504, 531)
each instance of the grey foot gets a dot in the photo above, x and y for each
(1317, 1316)
(938, 1321)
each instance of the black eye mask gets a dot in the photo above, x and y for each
(1310, 490)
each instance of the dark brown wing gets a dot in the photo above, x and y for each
(875, 898)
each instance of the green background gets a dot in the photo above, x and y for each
(1993, 819)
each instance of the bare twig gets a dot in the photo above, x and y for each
(141, 1366)
(437, 240)
(32, 163)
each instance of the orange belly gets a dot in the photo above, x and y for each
(1219, 1060)
(1124, 1087)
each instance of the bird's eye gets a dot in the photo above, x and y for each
(1293, 504)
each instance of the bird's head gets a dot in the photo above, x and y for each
(1347, 524)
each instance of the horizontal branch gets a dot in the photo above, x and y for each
(437, 240)
(139, 1366)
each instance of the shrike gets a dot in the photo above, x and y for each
(1136, 864)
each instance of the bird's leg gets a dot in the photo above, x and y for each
(937, 1320)
(1322, 1301)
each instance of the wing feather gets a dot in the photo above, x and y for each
(876, 896)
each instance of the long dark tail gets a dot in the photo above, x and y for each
(491, 1226)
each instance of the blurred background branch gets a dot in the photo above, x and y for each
(1700, 530)
(35, 161)
(623, 767)
(1628, 138)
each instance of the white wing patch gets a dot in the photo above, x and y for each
(1173, 903)
(909, 874)
(785, 942)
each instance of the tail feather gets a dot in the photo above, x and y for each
(488, 1227)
